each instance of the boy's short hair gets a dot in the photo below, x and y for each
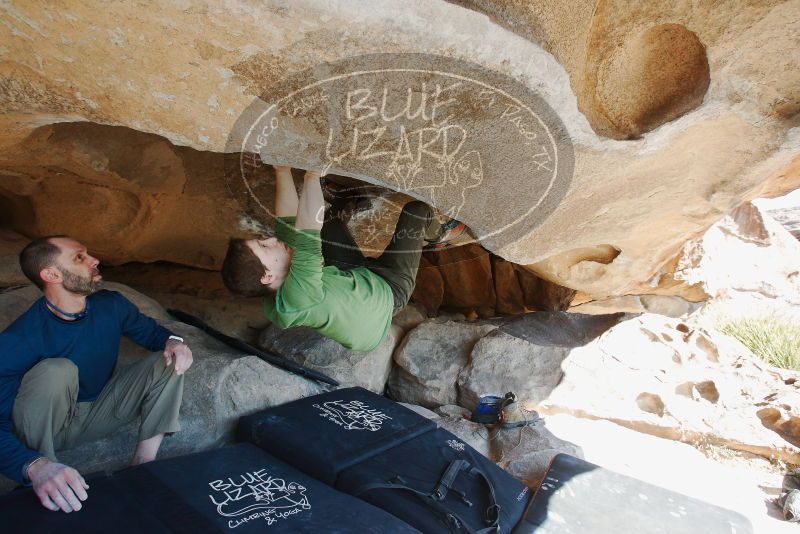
(242, 271)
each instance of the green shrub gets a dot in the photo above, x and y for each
(773, 339)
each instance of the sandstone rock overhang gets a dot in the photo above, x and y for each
(676, 113)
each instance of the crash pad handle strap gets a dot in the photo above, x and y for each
(493, 511)
(443, 486)
(447, 479)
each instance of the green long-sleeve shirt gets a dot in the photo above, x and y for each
(353, 307)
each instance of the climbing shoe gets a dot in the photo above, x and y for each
(447, 232)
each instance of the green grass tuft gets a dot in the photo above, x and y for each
(773, 339)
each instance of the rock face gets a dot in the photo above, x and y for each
(680, 381)
(654, 374)
(304, 345)
(455, 362)
(747, 263)
(429, 288)
(220, 387)
(11, 244)
(746, 254)
(501, 362)
(169, 202)
(628, 84)
(789, 218)
(468, 279)
(682, 106)
(671, 306)
(525, 355)
(429, 359)
(526, 452)
(411, 316)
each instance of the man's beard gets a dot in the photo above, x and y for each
(78, 284)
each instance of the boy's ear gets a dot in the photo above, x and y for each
(267, 278)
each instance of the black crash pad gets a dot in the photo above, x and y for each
(238, 489)
(327, 433)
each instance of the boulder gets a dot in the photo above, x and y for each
(221, 386)
(421, 410)
(429, 359)
(681, 381)
(469, 279)
(11, 244)
(199, 292)
(780, 412)
(410, 316)
(526, 452)
(453, 410)
(307, 347)
(501, 362)
(524, 355)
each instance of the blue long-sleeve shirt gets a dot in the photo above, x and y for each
(91, 343)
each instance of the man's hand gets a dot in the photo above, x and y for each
(59, 487)
(180, 353)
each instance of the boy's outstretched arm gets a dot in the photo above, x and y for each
(285, 193)
(311, 210)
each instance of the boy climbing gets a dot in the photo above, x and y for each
(314, 274)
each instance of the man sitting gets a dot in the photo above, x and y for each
(57, 381)
(315, 275)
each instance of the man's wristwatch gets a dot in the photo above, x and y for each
(179, 339)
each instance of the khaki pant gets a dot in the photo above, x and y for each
(47, 416)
